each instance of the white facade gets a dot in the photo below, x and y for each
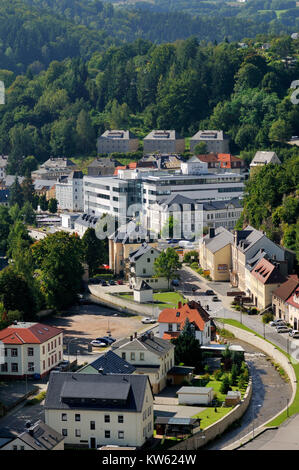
(69, 194)
(204, 337)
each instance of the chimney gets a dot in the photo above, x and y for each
(211, 232)
(179, 304)
(135, 334)
(131, 338)
(101, 370)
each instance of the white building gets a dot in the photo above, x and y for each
(150, 355)
(215, 141)
(141, 267)
(262, 158)
(92, 410)
(30, 348)
(69, 192)
(195, 395)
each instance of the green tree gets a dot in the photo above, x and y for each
(43, 203)
(16, 194)
(15, 293)
(28, 214)
(280, 131)
(53, 205)
(187, 347)
(225, 384)
(200, 149)
(167, 264)
(96, 251)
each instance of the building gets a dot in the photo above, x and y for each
(142, 292)
(127, 239)
(176, 426)
(118, 141)
(150, 355)
(293, 304)
(247, 243)
(53, 168)
(215, 253)
(263, 158)
(38, 436)
(195, 395)
(141, 267)
(108, 363)
(161, 161)
(280, 306)
(222, 213)
(69, 192)
(221, 162)
(163, 141)
(41, 187)
(3, 165)
(266, 277)
(31, 349)
(216, 141)
(172, 322)
(92, 410)
(102, 167)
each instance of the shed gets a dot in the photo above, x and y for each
(177, 374)
(176, 426)
(143, 292)
(195, 395)
(232, 398)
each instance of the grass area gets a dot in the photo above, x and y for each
(162, 299)
(294, 407)
(82, 163)
(37, 399)
(210, 416)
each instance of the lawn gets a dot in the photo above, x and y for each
(162, 299)
(210, 416)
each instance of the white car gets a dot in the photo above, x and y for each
(99, 344)
(277, 323)
(148, 320)
(282, 329)
(294, 333)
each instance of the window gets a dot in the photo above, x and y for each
(43, 349)
(123, 355)
(120, 419)
(107, 419)
(169, 326)
(107, 434)
(77, 432)
(142, 356)
(14, 447)
(77, 417)
(92, 424)
(14, 352)
(132, 356)
(22, 447)
(4, 367)
(121, 434)
(14, 367)
(30, 366)
(64, 417)
(64, 432)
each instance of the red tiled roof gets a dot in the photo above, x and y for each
(285, 290)
(171, 335)
(209, 157)
(37, 333)
(192, 310)
(267, 273)
(291, 300)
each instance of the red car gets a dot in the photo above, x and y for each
(120, 282)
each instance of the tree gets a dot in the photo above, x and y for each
(59, 260)
(225, 385)
(187, 347)
(96, 251)
(280, 131)
(191, 256)
(167, 264)
(43, 203)
(16, 194)
(200, 149)
(85, 132)
(15, 293)
(28, 214)
(53, 205)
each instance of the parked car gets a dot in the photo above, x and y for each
(294, 333)
(99, 344)
(120, 282)
(104, 339)
(109, 338)
(147, 320)
(112, 283)
(64, 365)
(210, 292)
(215, 298)
(175, 282)
(104, 283)
(282, 329)
(277, 322)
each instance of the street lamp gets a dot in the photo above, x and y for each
(253, 409)
(73, 339)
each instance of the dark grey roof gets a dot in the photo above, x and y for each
(222, 238)
(111, 363)
(256, 258)
(146, 341)
(248, 237)
(10, 179)
(181, 370)
(218, 205)
(144, 248)
(87, 220)
(142, 285)
(100, 162)
(177, 199)
(41, 437)
(98, 390)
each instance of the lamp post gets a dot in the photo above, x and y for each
(253, 409)
(73, 339)
(264, 330)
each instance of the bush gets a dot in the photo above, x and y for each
(225, 385)
(267, 317)
(217, 374)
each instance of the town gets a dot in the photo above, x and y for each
(158, 309)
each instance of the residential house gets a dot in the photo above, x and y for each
(69, 192)
(141, 266)
(102, 167)
(38, 436)
(119, 141)
(221, 162)
(108, 363)
(163, 141)
(30, 349)
(53, 168)
(142, 292)
(127, 239)
(266, 277)
(263, 158)
(216, 141)
(172, 322)
(215, 253)
(91, 410)
(293, 303)
(245, 246)
(280, 306)
(85, 221)
(150, 355)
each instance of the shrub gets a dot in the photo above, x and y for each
(267, 317)
(217, 374)
(225, 385)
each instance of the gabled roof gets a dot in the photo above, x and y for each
(41, 437)
(287, 288)
(144, 248)
(142, 285)
(294, 299)
(191, 310)
(110, 363)
(246, 238)
(265, 157)
(222, 238)
(28, 333)
(132, 233)
(146, 341)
